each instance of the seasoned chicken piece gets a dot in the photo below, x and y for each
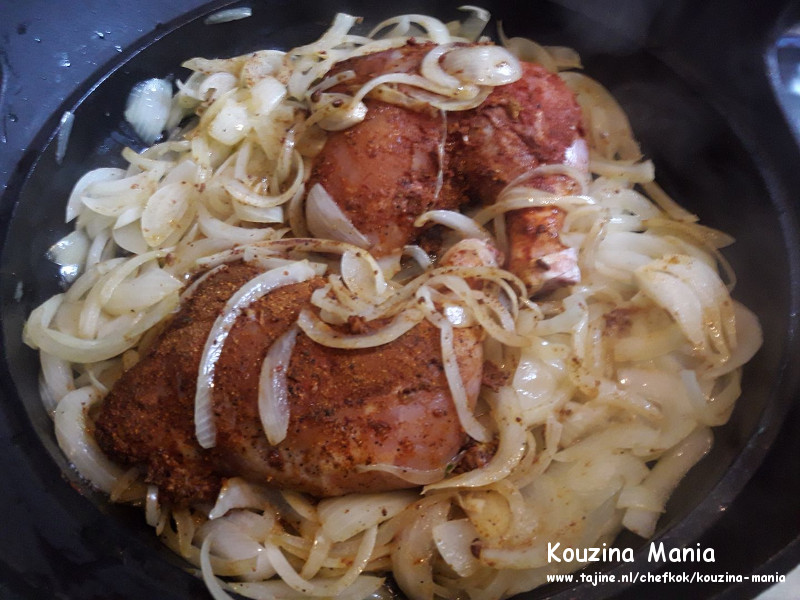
(392, 167)
(533, 121)
(385, 172)
(388, 405)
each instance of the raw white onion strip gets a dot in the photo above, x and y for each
(343, 517)
(326, 220)
(488, 65)
(414, 550)
(474, 24)
(39, 335)
(273, 395)
(455, 382)
(342, 23)
(510, 449)
(238, 493)
(64, 131)
(324, 588)
(152, 506)
(227, 15)
(148, 108)
(72, 432)
(415, 476)
(259, 286)
(101, 293)
(74, 203)
(213, 584)
(320, 549)
(664, 477)
(431, 68)
(454, 541)
(467, 227)
(436, 30)
(57, 379)
(363, 276)
(324, 334)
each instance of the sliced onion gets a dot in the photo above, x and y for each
(362, 275)
(39, 335)
(415, 476)
(148, 108)
(71, 250)
(472, 27)
(324, 334)
(231, 123)
(454, 540)
(455, 382)
(64, 131)
(74, 202)
(326, 220)
(141, 292)
(510, 449)
(227, 15)
(238, 493)
(273, 395)
(325, 587)
(483, 65)
(664, 477)
(259, 286)
(265, 96)
(72, 432)
(346, 516)
(467, 227)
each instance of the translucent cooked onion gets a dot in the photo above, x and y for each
(483, 65)
(64, 131)
(148, 108)
(259, 286)
(227, 15)
(238, 493)
(664, 477)
(273, 395)
(467, 227)
(326, 220)
(346, 516)
(73, 435)
(324, 334)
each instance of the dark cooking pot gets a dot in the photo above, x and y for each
(701, 83)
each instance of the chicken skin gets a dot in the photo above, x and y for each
(349, 409)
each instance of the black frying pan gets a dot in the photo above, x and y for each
(701, 83)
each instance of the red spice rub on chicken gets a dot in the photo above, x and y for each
(348, 408)
(400, 162)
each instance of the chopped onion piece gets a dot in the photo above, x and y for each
(229, 14)
(148, 108)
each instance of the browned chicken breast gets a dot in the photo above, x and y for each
(388, 405)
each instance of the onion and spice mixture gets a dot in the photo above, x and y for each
(407, 304)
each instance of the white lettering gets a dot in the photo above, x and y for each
(551, 552)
